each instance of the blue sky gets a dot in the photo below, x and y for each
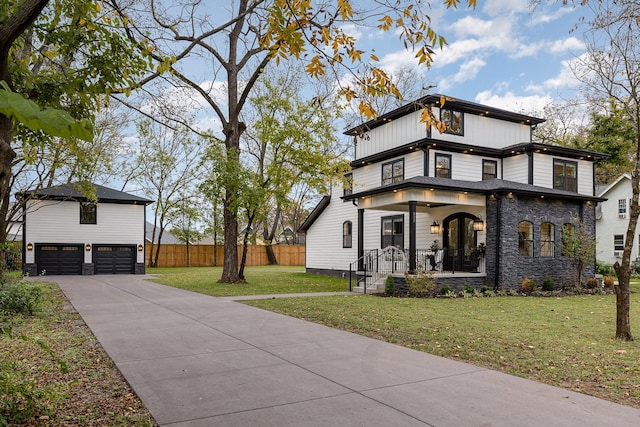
(501, 53)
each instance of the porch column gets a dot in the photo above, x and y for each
(360, 239)
(412, 236)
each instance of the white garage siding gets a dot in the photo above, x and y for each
(59, 222)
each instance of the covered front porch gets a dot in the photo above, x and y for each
(435, 230)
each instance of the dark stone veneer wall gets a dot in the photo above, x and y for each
(503, 215)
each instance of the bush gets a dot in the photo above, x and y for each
(19, 298)
(485, 289)
(604, 268)
(421, 283)
(593, 283)
(446, 290)
(468, 289)
(528, 286)
(609, 282)
(389, 286)
(548, 284)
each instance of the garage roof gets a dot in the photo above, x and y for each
(75, 192)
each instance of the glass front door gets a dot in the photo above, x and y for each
(458, 240)
(393, 232)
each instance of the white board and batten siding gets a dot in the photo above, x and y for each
(59, 222)
(466, 167)
(403, 130)
(543, 173)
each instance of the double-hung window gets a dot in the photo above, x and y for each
(489, 169)
(347, 233)
(618, 242)
(348, 185)
(443, 165)
(622, 208)
(393, 172)
(565, 175)
(454, 121)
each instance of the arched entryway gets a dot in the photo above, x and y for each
(459, 239)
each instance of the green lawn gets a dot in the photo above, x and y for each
(260, 281)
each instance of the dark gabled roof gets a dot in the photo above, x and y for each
(315, 213)
(488, 186)
(74, 192)
(449, 102)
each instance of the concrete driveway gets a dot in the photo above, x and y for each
(196, 360)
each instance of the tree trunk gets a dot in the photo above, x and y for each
(623, 325)
(6, 158)
(269, 235)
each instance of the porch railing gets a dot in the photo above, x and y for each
(378, 263)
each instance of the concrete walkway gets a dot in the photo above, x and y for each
(202, 361)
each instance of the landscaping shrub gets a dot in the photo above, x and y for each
(609, 282)
(528, 286)
(389, 286)
(592, 283)
(548, 284)
(420, 284)
(468, 289)
(19, 298)
(604, 268)
(446, 290)
(485, 289)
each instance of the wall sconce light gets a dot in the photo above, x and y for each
(478, 224)
(29, 246)
(87, 247)
(435, 228)
(140, 248)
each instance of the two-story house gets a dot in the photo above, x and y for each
(612, 220)
(430, 199)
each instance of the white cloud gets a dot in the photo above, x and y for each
(512, 102)
(566, 45)
(541, 16)
(565, 79)
(501, 7)
(467, 71)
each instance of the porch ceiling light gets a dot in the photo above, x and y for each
(435, 228)
(478, 225)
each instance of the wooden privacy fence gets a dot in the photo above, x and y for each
(203, 255)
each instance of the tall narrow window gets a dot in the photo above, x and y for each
(454, 121)
(347, 233)
(547, 239)
(618, 242)
(525, 238)
(393, 172)
(565, 175)
(489, 169)
(443, 165)
(622, 208)
(88, 213)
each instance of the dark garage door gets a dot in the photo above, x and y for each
(114, 259)
(59, 259)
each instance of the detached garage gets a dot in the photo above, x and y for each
(67, 231)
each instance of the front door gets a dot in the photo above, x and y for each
(458, 240)
(393, 235)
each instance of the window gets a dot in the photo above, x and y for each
(443, 165)
(565, 175)
(393, 172)
(88, 213)
(348, 185)
(622, 208)
(393, 231)
(618, 242)
(525, 238)
(547, 239)
(347, 230)
(454, 121)
(489, 169)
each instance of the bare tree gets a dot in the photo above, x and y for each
(609, 70)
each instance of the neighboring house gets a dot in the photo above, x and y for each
(14, 232)
(65, 233)
(167, 237)
(612, 220)
(484, 180)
